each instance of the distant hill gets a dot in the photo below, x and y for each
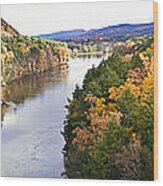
(64, 35)
(8, 30)
(116, 33)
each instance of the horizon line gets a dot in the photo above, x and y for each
(121, 24)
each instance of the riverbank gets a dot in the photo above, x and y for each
(7, 89)
(32, 143)
(22, 56)
(109, 127)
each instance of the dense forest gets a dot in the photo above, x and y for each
(110, 122)
(23, 55)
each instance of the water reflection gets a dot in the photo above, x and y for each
(31, 86)
(32, 143)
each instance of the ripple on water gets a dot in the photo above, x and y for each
(31, 135)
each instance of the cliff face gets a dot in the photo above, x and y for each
(8, 30)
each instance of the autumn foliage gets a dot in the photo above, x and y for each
(22, 55)
(109, 126)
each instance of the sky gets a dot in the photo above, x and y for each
(35, 19)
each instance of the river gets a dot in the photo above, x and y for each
(31, 136)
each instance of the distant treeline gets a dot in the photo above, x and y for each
(109, 34)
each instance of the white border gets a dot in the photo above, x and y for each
(60, 182)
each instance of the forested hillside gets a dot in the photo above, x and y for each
(109, 126)
(23, 55)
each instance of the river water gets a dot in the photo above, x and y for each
(31, 136)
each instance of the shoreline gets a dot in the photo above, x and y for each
(5, 105)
